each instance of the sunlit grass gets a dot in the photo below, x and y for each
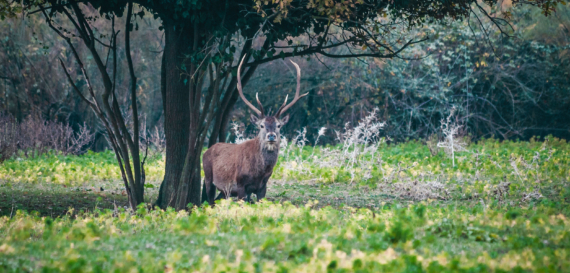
(72, 170)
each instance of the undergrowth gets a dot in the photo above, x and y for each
(521, 169)
(71, 170)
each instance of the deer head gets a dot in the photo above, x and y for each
(269, 126)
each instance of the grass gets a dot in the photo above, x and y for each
(89, 169)
(279, 237)
(503, 207)
(51, 184)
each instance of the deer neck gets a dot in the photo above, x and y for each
(268, 154)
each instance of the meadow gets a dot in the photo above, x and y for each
(494, 206)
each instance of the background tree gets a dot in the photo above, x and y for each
(30, 83)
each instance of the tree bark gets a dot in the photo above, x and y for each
(176, 111)
(221, 122)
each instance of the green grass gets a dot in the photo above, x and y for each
(509, 172)
(280, 237)
(52, 184)
(497, 210)
(88, 169)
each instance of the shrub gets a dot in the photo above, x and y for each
(33, 137)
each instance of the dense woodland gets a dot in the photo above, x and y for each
(507, 87)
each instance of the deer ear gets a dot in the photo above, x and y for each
(285, 119)
(253, 119)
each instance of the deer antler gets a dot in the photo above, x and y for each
(260, 105)
(284, 107)
(259, 113)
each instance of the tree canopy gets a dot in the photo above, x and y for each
(363, 25)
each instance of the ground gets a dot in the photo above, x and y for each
(503, 207)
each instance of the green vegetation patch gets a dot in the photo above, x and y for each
(281, 237)
(72, 170)
(497, 171)
(503, 207)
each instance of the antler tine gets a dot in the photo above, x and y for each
(260, 105)
(284, 107)
(259, 113)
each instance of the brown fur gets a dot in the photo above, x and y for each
(242, 169)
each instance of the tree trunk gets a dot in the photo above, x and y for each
(186, 117)
(176, 111)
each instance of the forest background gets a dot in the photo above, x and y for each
(505, 87)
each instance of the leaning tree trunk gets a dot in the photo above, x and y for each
(222, 118)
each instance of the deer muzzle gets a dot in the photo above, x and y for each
(271, 137)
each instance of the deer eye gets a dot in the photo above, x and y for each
(278, 126)
(262, 126)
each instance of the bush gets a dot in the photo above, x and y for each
(33, 137)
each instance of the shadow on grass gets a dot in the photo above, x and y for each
(56, 200)
(56, 203)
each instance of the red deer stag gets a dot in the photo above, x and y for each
(242, 169)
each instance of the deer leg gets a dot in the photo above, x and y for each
(241, 194)
(248, 199)
(210, 190)
(209, 186)
(261, 192)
